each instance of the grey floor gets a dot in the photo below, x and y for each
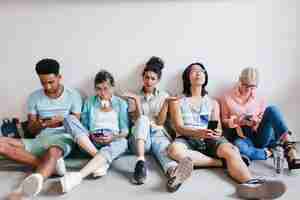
(204, 183)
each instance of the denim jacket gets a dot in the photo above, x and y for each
(93, 103)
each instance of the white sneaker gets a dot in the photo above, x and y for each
(100, 171)
(69, 181)
(60, 167)
(16, 195)
(32, 185)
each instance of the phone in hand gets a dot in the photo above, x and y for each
(94, 136)
(212, 125)
(102, 133)
(46, 119)
(248, 118)
(98, 134)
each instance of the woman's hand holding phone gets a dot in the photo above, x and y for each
(103, 139)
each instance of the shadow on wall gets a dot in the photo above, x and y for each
(219, 91)
(289, 102)
(86, 88)
(174, 85)
(291, 97)
(131, 83)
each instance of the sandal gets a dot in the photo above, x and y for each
(290, 155)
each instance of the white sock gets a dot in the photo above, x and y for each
(140, 158)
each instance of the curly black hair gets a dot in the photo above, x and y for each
(47, 66)
(154, 64)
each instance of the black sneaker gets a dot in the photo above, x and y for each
(261, 189)
(140, 173)
(179, 174)
(246, 160)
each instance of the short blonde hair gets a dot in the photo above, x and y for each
(249, 76)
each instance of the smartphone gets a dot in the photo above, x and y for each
(248, 117)
(46, 118)
(102, 133)
(98, 134)
(212, 124)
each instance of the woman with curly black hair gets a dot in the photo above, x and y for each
(149, 134)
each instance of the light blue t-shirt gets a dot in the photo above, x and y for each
(41, 105)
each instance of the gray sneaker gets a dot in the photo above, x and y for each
(261, 189)
(179, 174)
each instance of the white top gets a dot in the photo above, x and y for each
(106, 120)
(152, 105)
(196, 116)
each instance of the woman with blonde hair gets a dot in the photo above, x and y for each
(259, 127)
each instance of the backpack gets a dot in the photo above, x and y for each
(9, 128)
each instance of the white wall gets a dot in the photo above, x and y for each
(226, 35)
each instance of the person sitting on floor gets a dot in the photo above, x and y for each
(102, 133)
(258, 128)
(47, 109)
(149, 134)
(191, 116)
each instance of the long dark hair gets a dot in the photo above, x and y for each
(187, 82)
